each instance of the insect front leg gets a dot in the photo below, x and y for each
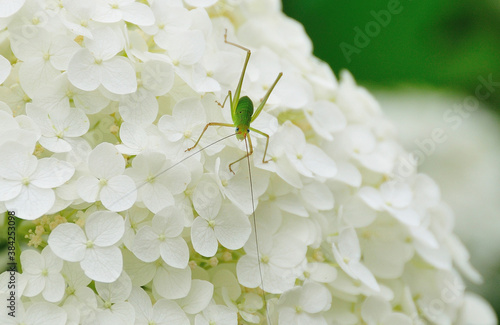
(224, 102)
(205, 129)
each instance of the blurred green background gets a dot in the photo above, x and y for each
(441, 43)
(444, 45)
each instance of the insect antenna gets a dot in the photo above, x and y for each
(256, 237)
(191, 155)
(177, 163)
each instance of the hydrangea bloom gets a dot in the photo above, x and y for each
(142, 232)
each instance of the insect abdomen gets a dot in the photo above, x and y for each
(244, 111)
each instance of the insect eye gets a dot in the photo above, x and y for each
(237, 129)
(248, 130)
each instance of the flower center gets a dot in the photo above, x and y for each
(187, 134)
(90, 244)
(25, 181)
(264, 259)
(211, 223)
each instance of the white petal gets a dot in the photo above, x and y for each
(43, 313)
(105, 161)
(247, 270)
(406, 216)
(62, 50)
(364, 275)
(158, 77)
(318, 195)
(357, 213)
(10, 7)
(175, 252)
(439, 257)
(287, 252)
(83, 72)
(35, 285)
(146, 244)
(374, 309)
(318, 162)
(291, 203)
(207, 199)
(156, 196)
(68, 241)
(34, 74)
(104, 264)
(397, 193)
(168, 312)
(88, 188)
(315, 298)
(52, 172)
(104, 228)
(232, 227)
(116, 291)
(32, 261)
(198, 297)
(321, 272)
(5, 68)
(119, 194)
(138, 13)
(203, 238)
(9, 189)
(184, 46)
(32, 202)
(172, 283)
(54, 288)
(169, 221)
(105, 44)
(139, 108)
(397, 319)
(477, 311)
(16, 162)
(372, 197)
(348, 244)
(118, 76)
(201, 3)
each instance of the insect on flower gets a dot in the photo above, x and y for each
(242, 111)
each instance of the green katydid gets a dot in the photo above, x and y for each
(242, 111)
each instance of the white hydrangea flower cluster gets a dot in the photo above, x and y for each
(100, 99)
